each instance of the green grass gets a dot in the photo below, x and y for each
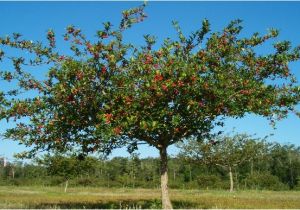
(80, 197)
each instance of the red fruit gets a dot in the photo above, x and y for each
(164, 87)
(180, 83)
(104, 36)
(117, 130)
(79, 75)
(57, 140)
(128, 100)
(245, 82)
(245, 92)
(171, 62)
(8, 77)
(88, 45)
(224, 42)
(158, 77)
(70, 98)
(282, 103)
(189, 46)
(286, 73)
(103, 70)
(261, 63)
(257, 70)
(205, 86)
(156, 66)
(38, 102)
(193, 78)
(159, 94)
(148, 59)
(75, 91)
(201, 54)
(201, 104)
(159, 54)
(107, 118)
(203, 68)
(176, 92)
(70, 30)
(96, 55)
(218, 110)
(61, 58)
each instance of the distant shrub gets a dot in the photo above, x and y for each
(15, 182)
(20, 182)
(264, 180)
(55, 181)
(297, 187)
(209, 181)
(84, 182)
(175, 184)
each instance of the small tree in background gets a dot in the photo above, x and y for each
(68, 167)
(59, 165)
(109, 94)
(226, 152)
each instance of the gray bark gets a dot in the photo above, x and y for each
(166, 203)
(174, 174)
(251, 167)
(66, 186)
(231, 179)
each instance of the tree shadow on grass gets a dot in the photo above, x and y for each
(124, 204)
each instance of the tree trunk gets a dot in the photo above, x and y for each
(66, 186)
(190, 173)
(166, 203)
(108, 180)
(237, 185)
(13, 173)
(174, 174)
(291, 172)
(231, 179)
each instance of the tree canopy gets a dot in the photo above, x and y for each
(111, 90)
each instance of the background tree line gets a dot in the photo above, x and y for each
(255, 164)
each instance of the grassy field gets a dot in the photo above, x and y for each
(79, 197)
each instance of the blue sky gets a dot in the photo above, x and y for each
(32, 19)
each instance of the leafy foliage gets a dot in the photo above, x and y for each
(110, 93)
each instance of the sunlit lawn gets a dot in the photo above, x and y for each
(79, 197)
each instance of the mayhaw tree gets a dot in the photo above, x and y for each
(109, 93)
